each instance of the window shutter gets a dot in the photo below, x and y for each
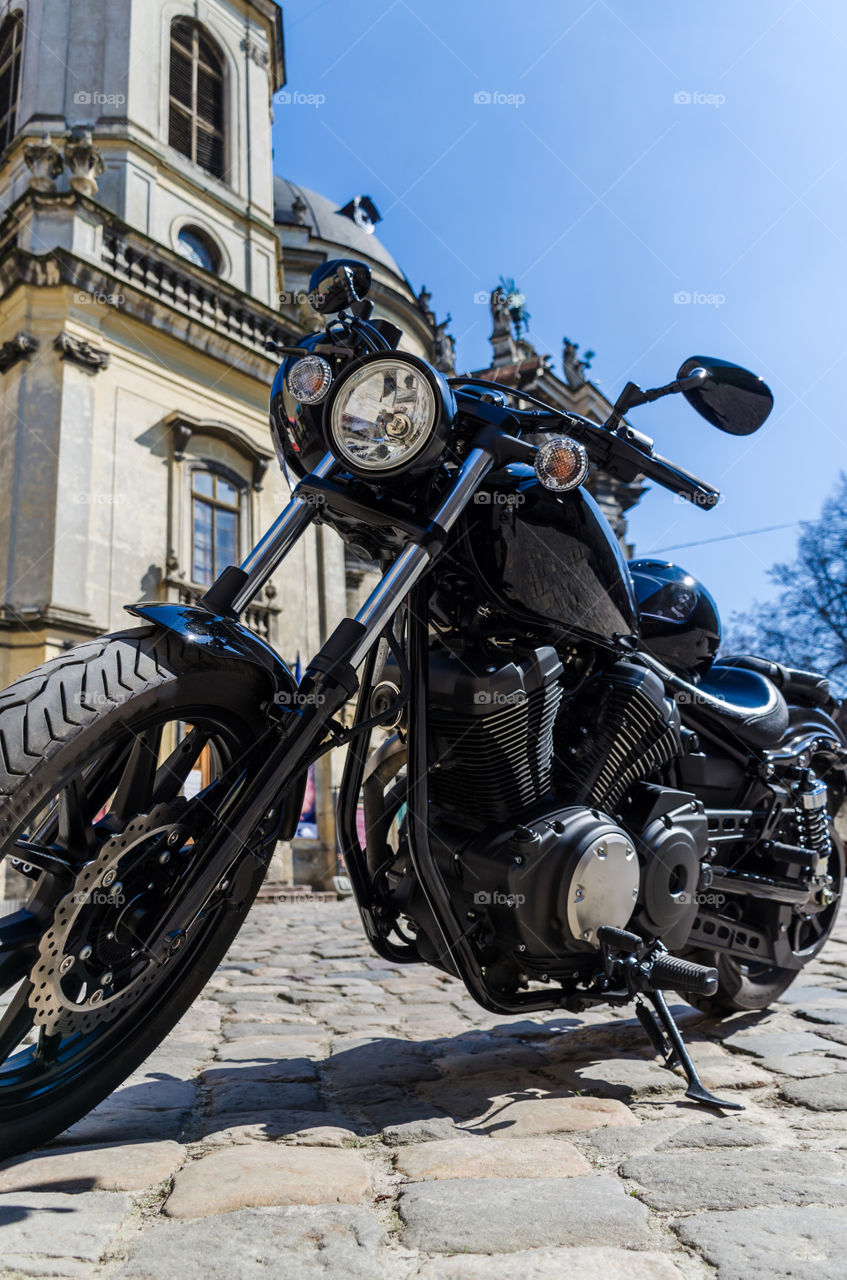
(11, 38)
(196, 123)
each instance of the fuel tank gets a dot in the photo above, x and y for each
(550, 561)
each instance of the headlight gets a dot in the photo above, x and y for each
(391, 414)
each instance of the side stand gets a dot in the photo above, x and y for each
(666, 1039)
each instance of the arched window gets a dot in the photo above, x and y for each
(193, 243)
(11, 40)
(215, 525)
(196, 126)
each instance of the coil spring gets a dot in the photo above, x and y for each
(812, 817)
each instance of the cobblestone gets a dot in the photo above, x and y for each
(360, 1119)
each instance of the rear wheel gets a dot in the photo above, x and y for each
(799, 934)
(114, 760)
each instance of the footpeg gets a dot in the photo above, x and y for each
(670, 973)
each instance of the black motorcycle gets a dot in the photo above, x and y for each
(570, 802)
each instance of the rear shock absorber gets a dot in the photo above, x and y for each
(812, 818)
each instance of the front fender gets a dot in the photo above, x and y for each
(229, 638)
(224, 636)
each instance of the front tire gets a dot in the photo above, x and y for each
(113, 761)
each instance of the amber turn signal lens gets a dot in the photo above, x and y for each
(561, 464)
(309, 379)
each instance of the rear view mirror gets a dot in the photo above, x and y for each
(338, 284)
(730, 398)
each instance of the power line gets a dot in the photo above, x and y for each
(726, 537)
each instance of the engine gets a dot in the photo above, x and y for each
(547, 816)
(491, 734)
(620, 731)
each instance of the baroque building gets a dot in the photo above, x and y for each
(143, 243)
(147, 254)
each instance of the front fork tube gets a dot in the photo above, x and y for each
(329, 682)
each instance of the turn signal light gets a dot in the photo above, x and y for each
(309, 379)
(561, 464)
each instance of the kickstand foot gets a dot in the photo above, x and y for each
(665, 1026)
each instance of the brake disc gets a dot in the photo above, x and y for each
(86, 973)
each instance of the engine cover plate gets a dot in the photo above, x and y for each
(603, 886)
(548, 884)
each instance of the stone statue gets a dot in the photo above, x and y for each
(500, 312)
(83, 161)
(574, 368)
(444, 348)
(503, 344)
(45, 163)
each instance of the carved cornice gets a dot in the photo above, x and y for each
(184, 298)
(17, 348)
(256, 53)
(81, 352)
(184, 427)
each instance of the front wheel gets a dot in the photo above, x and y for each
(114, 759)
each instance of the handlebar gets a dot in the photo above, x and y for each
(623, 453)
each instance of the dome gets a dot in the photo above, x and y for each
(323, 219)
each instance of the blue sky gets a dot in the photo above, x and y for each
(649, 150)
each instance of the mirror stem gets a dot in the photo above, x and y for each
(632, 396)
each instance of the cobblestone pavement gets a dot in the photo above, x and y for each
(321, 1113)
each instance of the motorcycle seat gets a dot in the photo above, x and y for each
(743, 701)
(809, 688)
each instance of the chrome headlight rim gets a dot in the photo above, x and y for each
(429, 450)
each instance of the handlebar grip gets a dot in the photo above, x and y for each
(671, 973)
(672, 477)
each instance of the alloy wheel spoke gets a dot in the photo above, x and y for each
(135, 789)
(171, 777)
(20, 931)
(75, 832)
(14, 966)
(44, 859)
(16, 1023)
(47, 1047)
